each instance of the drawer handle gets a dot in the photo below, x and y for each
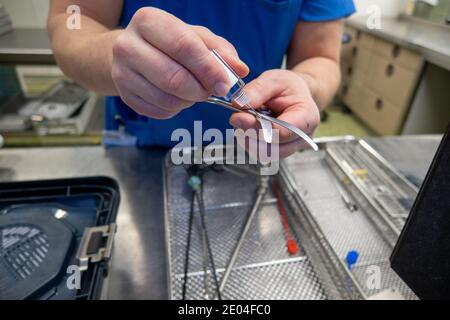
(345, 90)
(379, 104)
(354, 51)
(358, 34)
(349, 71)
(390, 69)
(396, 51)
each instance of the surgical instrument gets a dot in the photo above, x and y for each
(258, 114)
(238, 96)
(349, 203)
(261, 192)
(238, 101)
(291, 243)
(196, 183)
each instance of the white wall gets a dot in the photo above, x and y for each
(389, 8)
(27, 13)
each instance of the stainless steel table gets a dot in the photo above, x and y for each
(26, 46)
(432, 41)
(138, 267)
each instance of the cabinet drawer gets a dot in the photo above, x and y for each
(352, 75)
(400, 55)
(356, 77)
(361, 58)
(354, 59)
(353, 96)
(391, 81)
(365, 40)
(379, 114)
(348, 53)
(361, 44)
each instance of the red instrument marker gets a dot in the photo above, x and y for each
(291, 244)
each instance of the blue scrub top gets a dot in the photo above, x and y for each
(261, 31)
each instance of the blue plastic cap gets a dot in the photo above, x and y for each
(352, 258)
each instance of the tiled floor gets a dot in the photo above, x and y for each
(339, 123)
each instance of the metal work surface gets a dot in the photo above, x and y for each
(138, 268)
(139, 260)
(26, 46)
(430, 40)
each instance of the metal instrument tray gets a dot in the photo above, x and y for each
(382, 195)
(323, 226)
(263, 270)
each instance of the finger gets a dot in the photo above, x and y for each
(244, 121)
(173, 37)
(300, 117)
(287, 149)
(267, 90)
(134, 82)
(256, 147)
(226, 50)
(144, 108)
(275, 150)
(159, 69)
(263, 89)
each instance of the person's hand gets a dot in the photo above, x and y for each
(287, 95)
(162, 65)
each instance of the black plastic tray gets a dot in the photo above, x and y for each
(90, 202)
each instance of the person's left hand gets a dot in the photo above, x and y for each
(288, 96)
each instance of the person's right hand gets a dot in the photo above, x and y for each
(162, 65)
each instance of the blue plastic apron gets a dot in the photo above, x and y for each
(261, 31)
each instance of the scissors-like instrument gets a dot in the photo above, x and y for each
(236, 100)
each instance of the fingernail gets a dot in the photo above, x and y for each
(235, 123)
(221, 89)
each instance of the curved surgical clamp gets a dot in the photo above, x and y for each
(237, 96)
(264, 116)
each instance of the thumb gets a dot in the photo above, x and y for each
(226, 50)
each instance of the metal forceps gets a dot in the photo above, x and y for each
(236, 100)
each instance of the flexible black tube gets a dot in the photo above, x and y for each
(208, 244)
